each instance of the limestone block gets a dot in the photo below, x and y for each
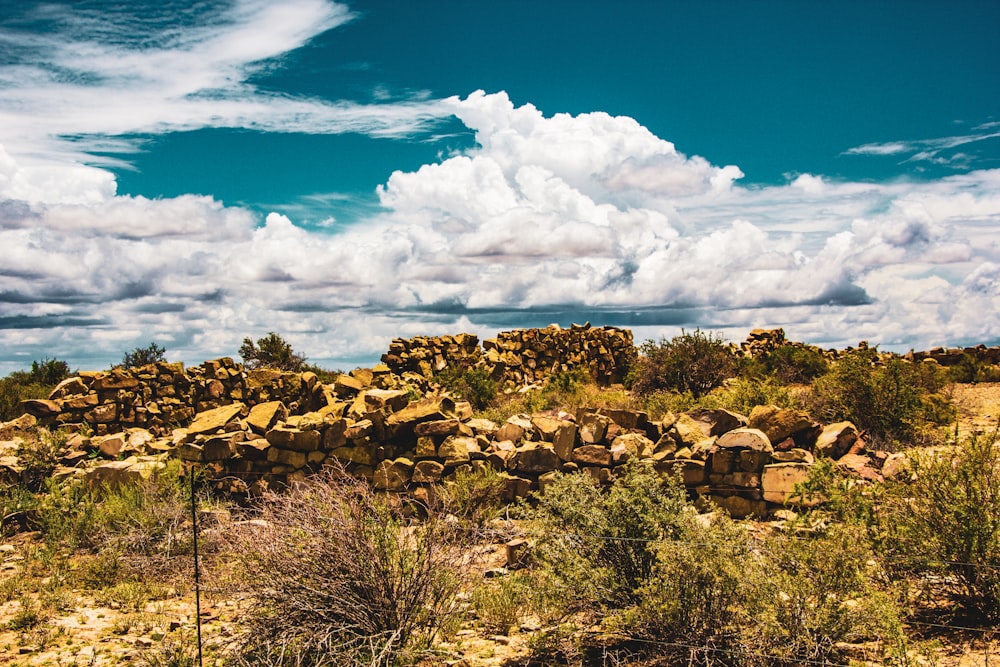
(745, 438)
(365, 455)
(428, 472)
(212, 420)
(455, 450)
(439, 427)
(779, 480)
(592, 455)
(779, 423)
(718, 421)
(294, 439)
(535, 458)
(564, 440)
(263, 416)
(836, 439)
(593, 428)
(287, 457)
(393, 475)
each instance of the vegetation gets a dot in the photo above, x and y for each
(337, 579)
(693, 362)
(38, 382)
(271, 351)
(143, 356)
(885, 395)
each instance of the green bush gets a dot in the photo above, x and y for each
(474, 496)
(691, 362)
(470, 384)
(143, 356)
(793, 363)
(271, 351)
(337, 578)
(887, 397)
(35, 383)
(600, 547)
(943, 524)
(500, 603)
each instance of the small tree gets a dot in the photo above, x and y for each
(143, 356)
(691, 362)
(271, 351)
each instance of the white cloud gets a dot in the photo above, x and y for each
(94, 81)
(584, 215)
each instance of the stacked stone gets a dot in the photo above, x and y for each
(429, 355)
(162, 396)
(950, 356)
(527, 356)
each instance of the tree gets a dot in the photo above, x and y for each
(271, 351)
(35, 383)
(143, 356)
(694, 362)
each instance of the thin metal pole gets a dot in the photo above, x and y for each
(197, 570)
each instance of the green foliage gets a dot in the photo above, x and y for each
(600, 547)
(143, 356)
(945, 520)
(470, 384)
(271, 351)
(474, 496)
(691, 362)
(793, 363)
(135, 521)
(500, 603)
(37, 382)
(39, 454)
(887, 397)
(338, 579)
(743, 394)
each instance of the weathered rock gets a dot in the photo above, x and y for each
(593, 428)
(110, 446)
(744, 438)
(779, 481)
(716, 422)
(836, 439)
(564, 440)
(779, 423)
(441, 427)
(40, 407)
(426, 409)
(294, 439)
(592, 455)
(514, 429)
(428, 472)
(264, 416)
(211, 421)
(393, 475)
(456, 450)
(535, 458)
(630, 446)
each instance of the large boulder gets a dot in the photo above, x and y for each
(836, 439)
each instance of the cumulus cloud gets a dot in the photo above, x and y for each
(562, 217)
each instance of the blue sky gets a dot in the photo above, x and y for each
(197, 172)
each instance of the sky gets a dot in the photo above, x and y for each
(344, 173)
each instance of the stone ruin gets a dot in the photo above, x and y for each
(251, 430)
(522, 356)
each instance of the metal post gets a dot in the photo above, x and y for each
(197, 570)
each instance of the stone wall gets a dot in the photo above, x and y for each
(259, 430)
(522, 356)
(162, 396)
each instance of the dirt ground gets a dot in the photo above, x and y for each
(88, 633)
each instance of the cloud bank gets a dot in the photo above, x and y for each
(548, 218)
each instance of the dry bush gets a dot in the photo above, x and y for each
(337, 578)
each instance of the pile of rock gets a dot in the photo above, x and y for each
(159, 397)
(519, 357)
(376, 426)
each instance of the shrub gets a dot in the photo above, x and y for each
(271, 351)
(946, 521)
(794, 363)
(143, 356)
(600, 547)
(337, 579)
(691, 362)
(475, 496)
(35, 383)
(886, 397)
(470, 384)
(500, 603)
